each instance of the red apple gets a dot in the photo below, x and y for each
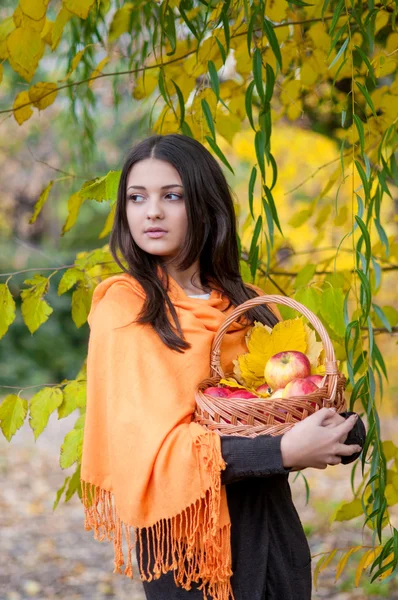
(299, 387)
(285, 366)
(317, 379)
(242, 394)
(264, 388)
(217, 392)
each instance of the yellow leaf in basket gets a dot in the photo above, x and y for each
(230, 382)
(314, 348)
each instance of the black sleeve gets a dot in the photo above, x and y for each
(357, 435)
(251, 457)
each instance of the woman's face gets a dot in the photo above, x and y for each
(155, 199)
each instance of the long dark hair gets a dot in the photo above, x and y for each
(211, 236)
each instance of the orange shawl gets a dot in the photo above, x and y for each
(146, 465)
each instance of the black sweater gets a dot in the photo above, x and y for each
(271, 557)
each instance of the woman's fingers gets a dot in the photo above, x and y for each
(345, 427)
(347, 450)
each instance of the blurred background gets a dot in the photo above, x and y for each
(47, 554)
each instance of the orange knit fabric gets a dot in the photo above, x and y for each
(147, 469)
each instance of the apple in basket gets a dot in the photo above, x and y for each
(317, 379)
(282, 367)
(217, 392)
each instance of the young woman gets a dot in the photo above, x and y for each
(212, 517)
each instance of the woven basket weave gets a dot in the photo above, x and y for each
(251, 417)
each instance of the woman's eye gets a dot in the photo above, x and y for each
(176, 195)
(133, 196)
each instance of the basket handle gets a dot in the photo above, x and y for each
(215, 359)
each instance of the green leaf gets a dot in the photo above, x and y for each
(336, 38)
(248, 103)
(273, 208)
(74, 397)
(69, 279)
(7, 309)
(305, 275)
(362, 175)
(269, 82)
(273, 41)
(181, 103)
(40, 202)
(271, 160)
(367, 97)
(340, 52)
(361, 132)
(379, 312)
(81, 302)
(348, 510)
(252, 182)
(336, 16)
(382, 180)
(41, 406)
(332, 309)
(366, 292)
(258, 73)
(35, 310)
(215, 83)
(221, 49)
(189, 23)
(310, 298)
(259, 144)
(13, 411)
(254, 263)
(169, 29)
(71, 449)
(256, 234)
(270, 223)
(59, 493)
(102, 188)
(343, 116)
(366, 238)
(209, 117)
(219, 153)
(367, 63)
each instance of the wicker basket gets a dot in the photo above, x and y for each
(250, 417)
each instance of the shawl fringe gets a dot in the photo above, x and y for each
(191, 543)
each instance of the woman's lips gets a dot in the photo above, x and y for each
(155, 234)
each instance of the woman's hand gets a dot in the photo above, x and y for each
(318, 441)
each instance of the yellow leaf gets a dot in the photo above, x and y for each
(347, 511)
(22, 114)
(365, 561)
(81, 8)
(121, 21)
(41, 405)
(343, 561)
(47, 32)
(321, 565)
(98, 70)
(314, 348)
(7, 312)
(230, 382)
(81, 301)
(35, 9)
(61, 20)
(21, 19)
(13, 410)
(319, 37)
(1, 73)
(74, 203)
(40, 202)
(75, 61)
(108, 223)
(35, 310)
(146, 83)
(276, 10)
(290, 91)
(227, 125)
(382, 18)
(294, 110)
(25, 49)
(307, 75)
(6, 27)
(43, 94)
